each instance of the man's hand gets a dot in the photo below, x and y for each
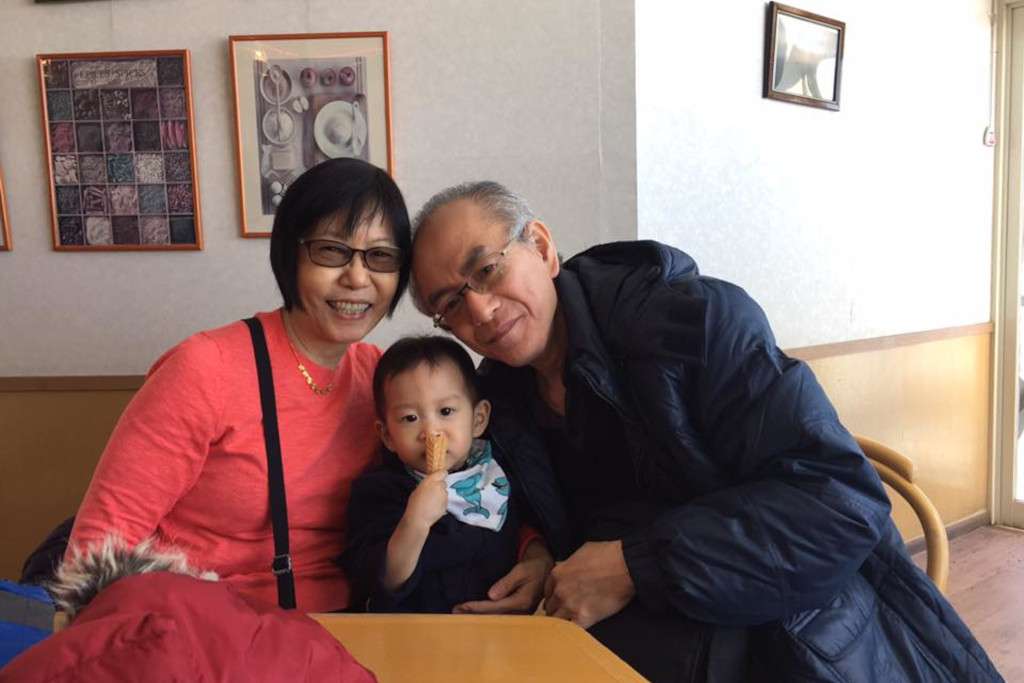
(591, 585)
(520, 590)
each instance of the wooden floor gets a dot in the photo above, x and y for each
(986, 586)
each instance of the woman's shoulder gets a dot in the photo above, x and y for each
(209, 354)
(199, 375)
(207, 346)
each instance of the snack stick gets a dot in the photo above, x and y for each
(436, 450)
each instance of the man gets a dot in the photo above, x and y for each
(711, 518)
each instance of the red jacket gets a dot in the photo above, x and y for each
(169, 627)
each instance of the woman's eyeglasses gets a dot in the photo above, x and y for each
(334, 254)
(452, 309)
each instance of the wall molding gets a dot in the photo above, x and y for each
(805, 353)
(847, 348)
(71, 383)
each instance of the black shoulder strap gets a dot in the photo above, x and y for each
(282, 563)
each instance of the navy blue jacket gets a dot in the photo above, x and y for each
(459, 562)
(770, 517)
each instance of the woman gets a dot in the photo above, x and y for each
(186, 463)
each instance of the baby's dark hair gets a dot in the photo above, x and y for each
(410, 352)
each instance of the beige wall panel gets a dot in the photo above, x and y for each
(51, 441)
(929, 401)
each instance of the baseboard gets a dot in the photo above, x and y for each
(959, 528)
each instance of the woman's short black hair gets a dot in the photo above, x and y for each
(410, 352)
(349, 192)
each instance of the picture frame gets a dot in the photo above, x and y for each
(120, 146)
(803, 57)
(5, 224)
(301, 99)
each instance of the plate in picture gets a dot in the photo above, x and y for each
(276, 85)
(340, 129)
(278, 125)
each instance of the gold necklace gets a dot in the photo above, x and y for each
(314, 387)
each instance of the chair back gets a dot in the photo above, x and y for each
(900, 473)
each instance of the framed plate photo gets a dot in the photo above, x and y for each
(5, 225)
(300, 100)
(803, 57)
(121, 151)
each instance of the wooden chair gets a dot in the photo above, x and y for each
(900, 473)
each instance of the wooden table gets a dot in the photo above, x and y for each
(449, 648)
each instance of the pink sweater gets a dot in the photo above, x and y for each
(187, 463)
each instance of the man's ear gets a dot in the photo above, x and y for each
(545, 244)
(385, 435)
(481, 416)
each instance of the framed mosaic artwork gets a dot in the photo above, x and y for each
(5, 225)
(120, 146)
(300, 100)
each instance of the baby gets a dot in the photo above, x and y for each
(421, 542)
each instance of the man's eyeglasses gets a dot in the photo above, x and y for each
(334, 254)
(452, 309)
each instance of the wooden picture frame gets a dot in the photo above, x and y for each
(5, 224)
(803, 57)
(121, 150)
(301, 99)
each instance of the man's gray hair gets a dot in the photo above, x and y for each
(496, 200)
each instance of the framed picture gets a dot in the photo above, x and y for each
(120, 146)
(5, 226)
(300, 100)
(803, 57)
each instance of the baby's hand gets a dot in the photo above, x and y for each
(428, 502)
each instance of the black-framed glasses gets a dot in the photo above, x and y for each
(335, 254)
(452, 309)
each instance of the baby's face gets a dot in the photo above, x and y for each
(426, 400)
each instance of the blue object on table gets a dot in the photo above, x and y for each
(26, 617)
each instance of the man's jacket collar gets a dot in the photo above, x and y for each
(622, 301)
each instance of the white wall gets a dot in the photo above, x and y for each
(869, 221)
(535, 94)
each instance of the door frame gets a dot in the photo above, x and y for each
(1008, 68)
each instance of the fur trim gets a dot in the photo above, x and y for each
(81, 578)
